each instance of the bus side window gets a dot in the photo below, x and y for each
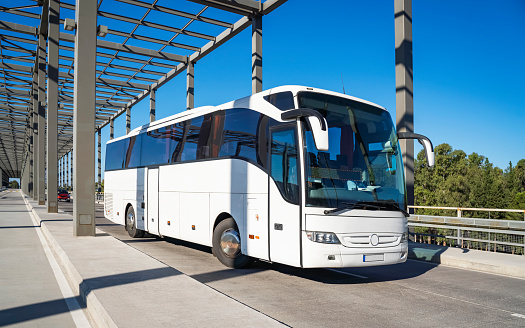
(284, 168)
(133, 152)
(189, 148)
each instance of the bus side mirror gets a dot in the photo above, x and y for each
(320, 135)
(427, 144)
(316, 121)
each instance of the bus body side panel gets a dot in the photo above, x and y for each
(169, 213)
(207, 189)
(126, 187)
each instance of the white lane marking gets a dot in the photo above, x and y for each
(74, 308)
(348, 273)
(519, 315)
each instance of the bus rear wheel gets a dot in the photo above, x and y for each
(131, 224)
(227, 245)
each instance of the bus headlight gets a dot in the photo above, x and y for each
(322, 237)
(404, 237)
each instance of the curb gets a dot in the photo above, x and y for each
(455, 257)
(96, 313)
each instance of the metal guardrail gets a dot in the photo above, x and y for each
(506, 236)
(460, 210)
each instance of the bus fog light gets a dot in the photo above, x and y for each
(322, 237)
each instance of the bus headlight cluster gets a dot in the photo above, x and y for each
(404, 237)
(322, 237)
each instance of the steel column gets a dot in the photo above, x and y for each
(67, 170)
(404, 88)
(31, 150)
(256, 54)
(152, 105)
(52, 105)
(84, 118)
(41, 159)
(111, 129)
(190, 85)
(34, 190)
(128, 120)
(99, 151)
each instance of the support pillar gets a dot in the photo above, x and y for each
(67, 170)
(152, 106)
(30, 150)
(404, 88)
(41, 159)
(34, 189)
(99, 152)
(190, 86)
(111, 129)
(128, 120)
(84, 119)
(52, 105)
(256, 54)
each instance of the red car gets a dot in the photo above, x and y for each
(63, 195)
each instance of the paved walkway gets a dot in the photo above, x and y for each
(29, 293)
(119, 286)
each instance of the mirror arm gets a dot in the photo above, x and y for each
(422, 140)
(304, 112)
(411, 135)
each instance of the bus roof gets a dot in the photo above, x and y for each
(254, 102)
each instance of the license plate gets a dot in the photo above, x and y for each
(373, 257)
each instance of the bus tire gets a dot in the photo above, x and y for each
(131, 224)
(227, 245)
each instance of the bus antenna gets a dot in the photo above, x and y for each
(343, 82)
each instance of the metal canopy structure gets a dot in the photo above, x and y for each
(137, 56)
(69, 68)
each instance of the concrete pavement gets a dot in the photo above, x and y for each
(122, 286)
(29, 293)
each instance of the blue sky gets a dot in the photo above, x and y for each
(468, 67)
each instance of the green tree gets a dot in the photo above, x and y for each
(14, 184)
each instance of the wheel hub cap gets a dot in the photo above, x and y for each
(231, 243)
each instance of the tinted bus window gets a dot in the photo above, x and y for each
(133, 152)
(115, 152)
(239, 134)
(176, 134)
(191, 139)
(281, 100)
(155, 147)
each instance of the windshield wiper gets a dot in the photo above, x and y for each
(351, 206)
(376, 205)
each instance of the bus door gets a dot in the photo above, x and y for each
(284, 196)
(153, 201)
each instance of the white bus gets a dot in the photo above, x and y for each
(295, 175)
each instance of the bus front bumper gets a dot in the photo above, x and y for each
(319, 255)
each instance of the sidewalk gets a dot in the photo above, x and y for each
(30, 296)
(498, 263)
(123, 287)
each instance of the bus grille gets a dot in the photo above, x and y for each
(108, 205)
(363, 240)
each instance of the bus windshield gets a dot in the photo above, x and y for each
(363, 162)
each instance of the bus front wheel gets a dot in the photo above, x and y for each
(227, 245)
(131, 224)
